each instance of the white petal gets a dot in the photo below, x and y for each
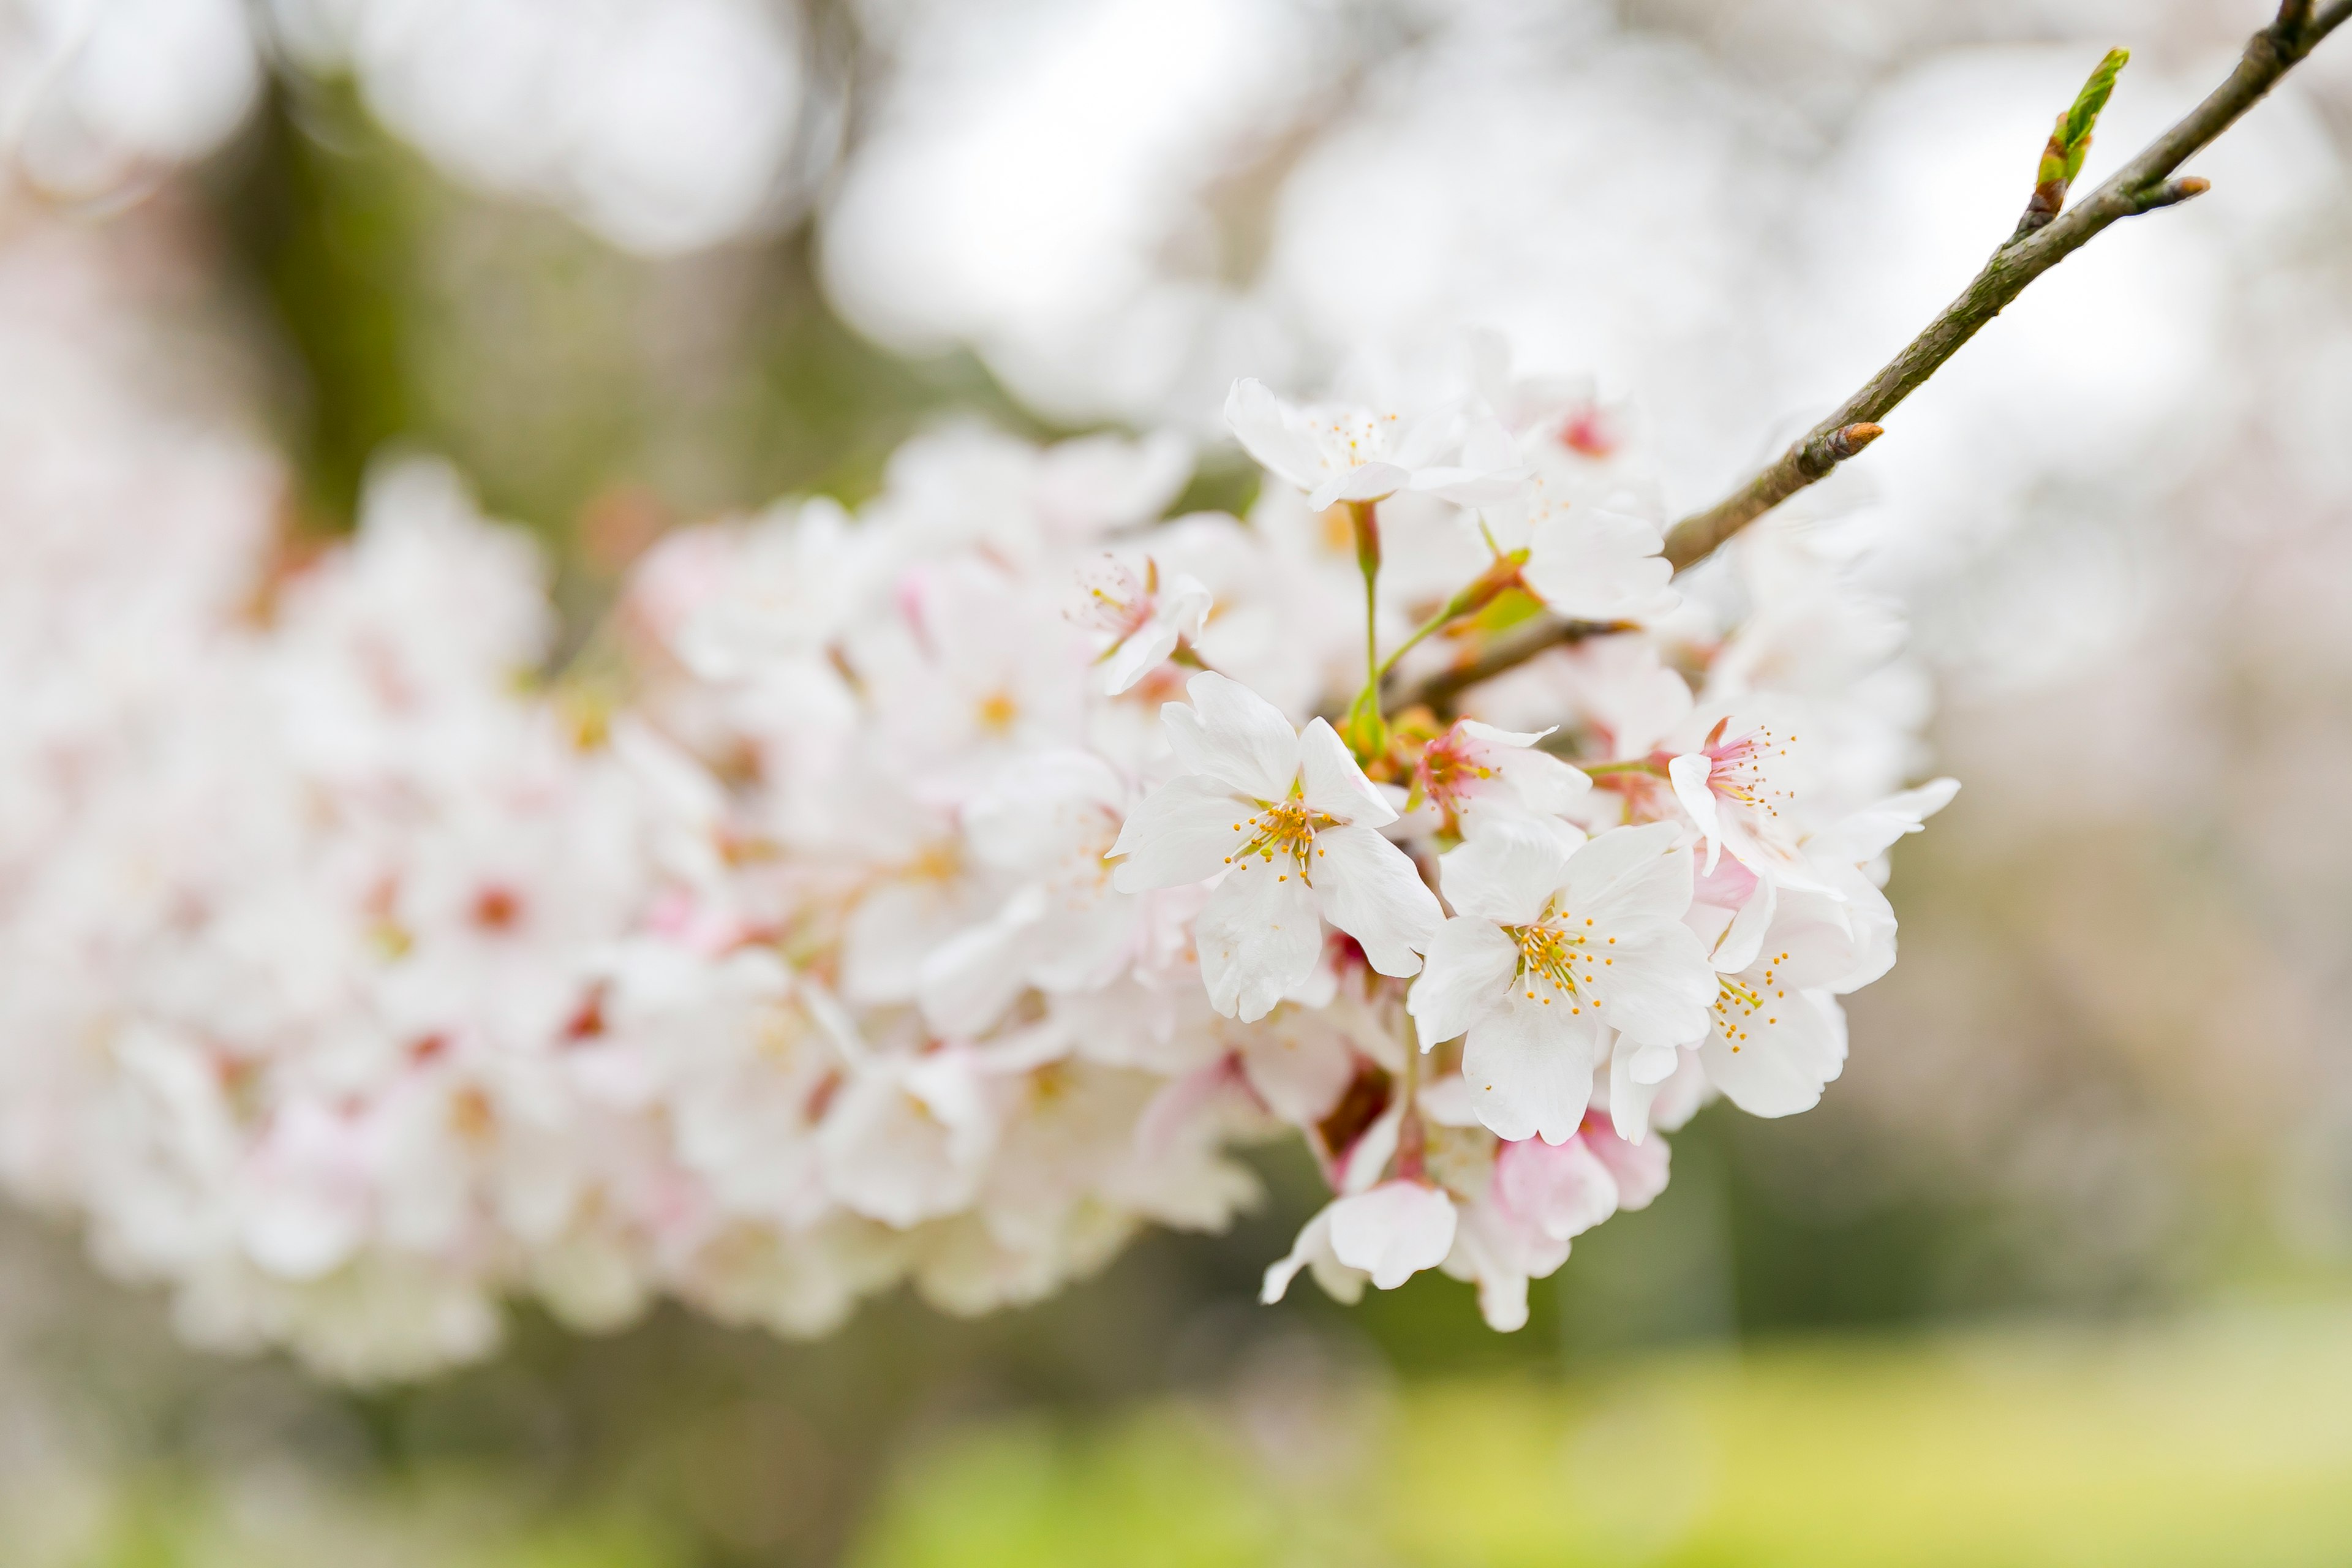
(1487, 448)
(1469, 976)
(1743, 938)
(1180, 834)
(1542, 781)
(967, 982)
(1185, 603)
(1394, 1231)
(1506, 874)
(1469, 487)
(1365, 481)
(1689, 774)
(1631, 878)
(1656, 986)
(1299, 1066)
(1530, 1070)
(1628, 1101)
(1786, 1053)
(1811, 942)
(1590, 565)
(1313, 1248)
(1479, 729)
(1369, 888)
(1267, 433)
(1138, 656)
(1233, 735)
(1257, 937)
(1330, 782)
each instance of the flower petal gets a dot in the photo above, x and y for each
(1655, 986)
(1640, 1169)
(1138, 656)
(1591, 565)
(1313, 1249)
(1784, 1055)
(968, 981)
(1365, 481)
(1743, 938)
(1330, 782)
(1467, 977)
(1233, 735)
(1632, 878)
(1506, 874)
(1394, 1232)
(1367, 887)
(1561, 1189)
(1181, 832)
(1530, 1070)
(1689, 774)
(1635, 1073)
(1270, 433)
(1257, 937)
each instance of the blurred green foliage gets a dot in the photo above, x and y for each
(2223, 1443)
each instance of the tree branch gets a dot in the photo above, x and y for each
(1438, 691)
(2143, 185)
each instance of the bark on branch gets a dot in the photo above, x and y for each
(2143, 185)
(1437, 692)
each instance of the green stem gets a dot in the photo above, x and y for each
(1492, 582)
(1640, 765)
(1365, 518)
(1430, 627)
(1367, 733)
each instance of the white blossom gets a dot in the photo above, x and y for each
(1345, 453)
(1552, 950)
(1290, 824)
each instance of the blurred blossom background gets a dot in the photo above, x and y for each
(2062, 1269)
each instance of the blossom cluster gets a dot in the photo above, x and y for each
(939, 892)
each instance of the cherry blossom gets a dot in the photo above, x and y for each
(1289, 823)
(856, 914)
(1146, 620)
(1475, 771)
(1551, 950)
(1342, 453)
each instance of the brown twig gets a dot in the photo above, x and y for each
(1437, 692)
(2143, 185)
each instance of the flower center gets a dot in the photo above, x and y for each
(1739, 998)
(1349, 440)
(1117, 601)
(1550, 951)
(997, 712)
(1284, 830)
(1448, 772)
(1737, 769)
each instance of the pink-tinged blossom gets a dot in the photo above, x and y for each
(1475, 773)
(1143, 618)
(1290, 824)
(1739, 786)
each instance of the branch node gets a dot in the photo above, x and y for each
(1823, 453)
(1850, 441)
(2171, 193)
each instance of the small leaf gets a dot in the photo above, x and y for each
(2074, 132)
